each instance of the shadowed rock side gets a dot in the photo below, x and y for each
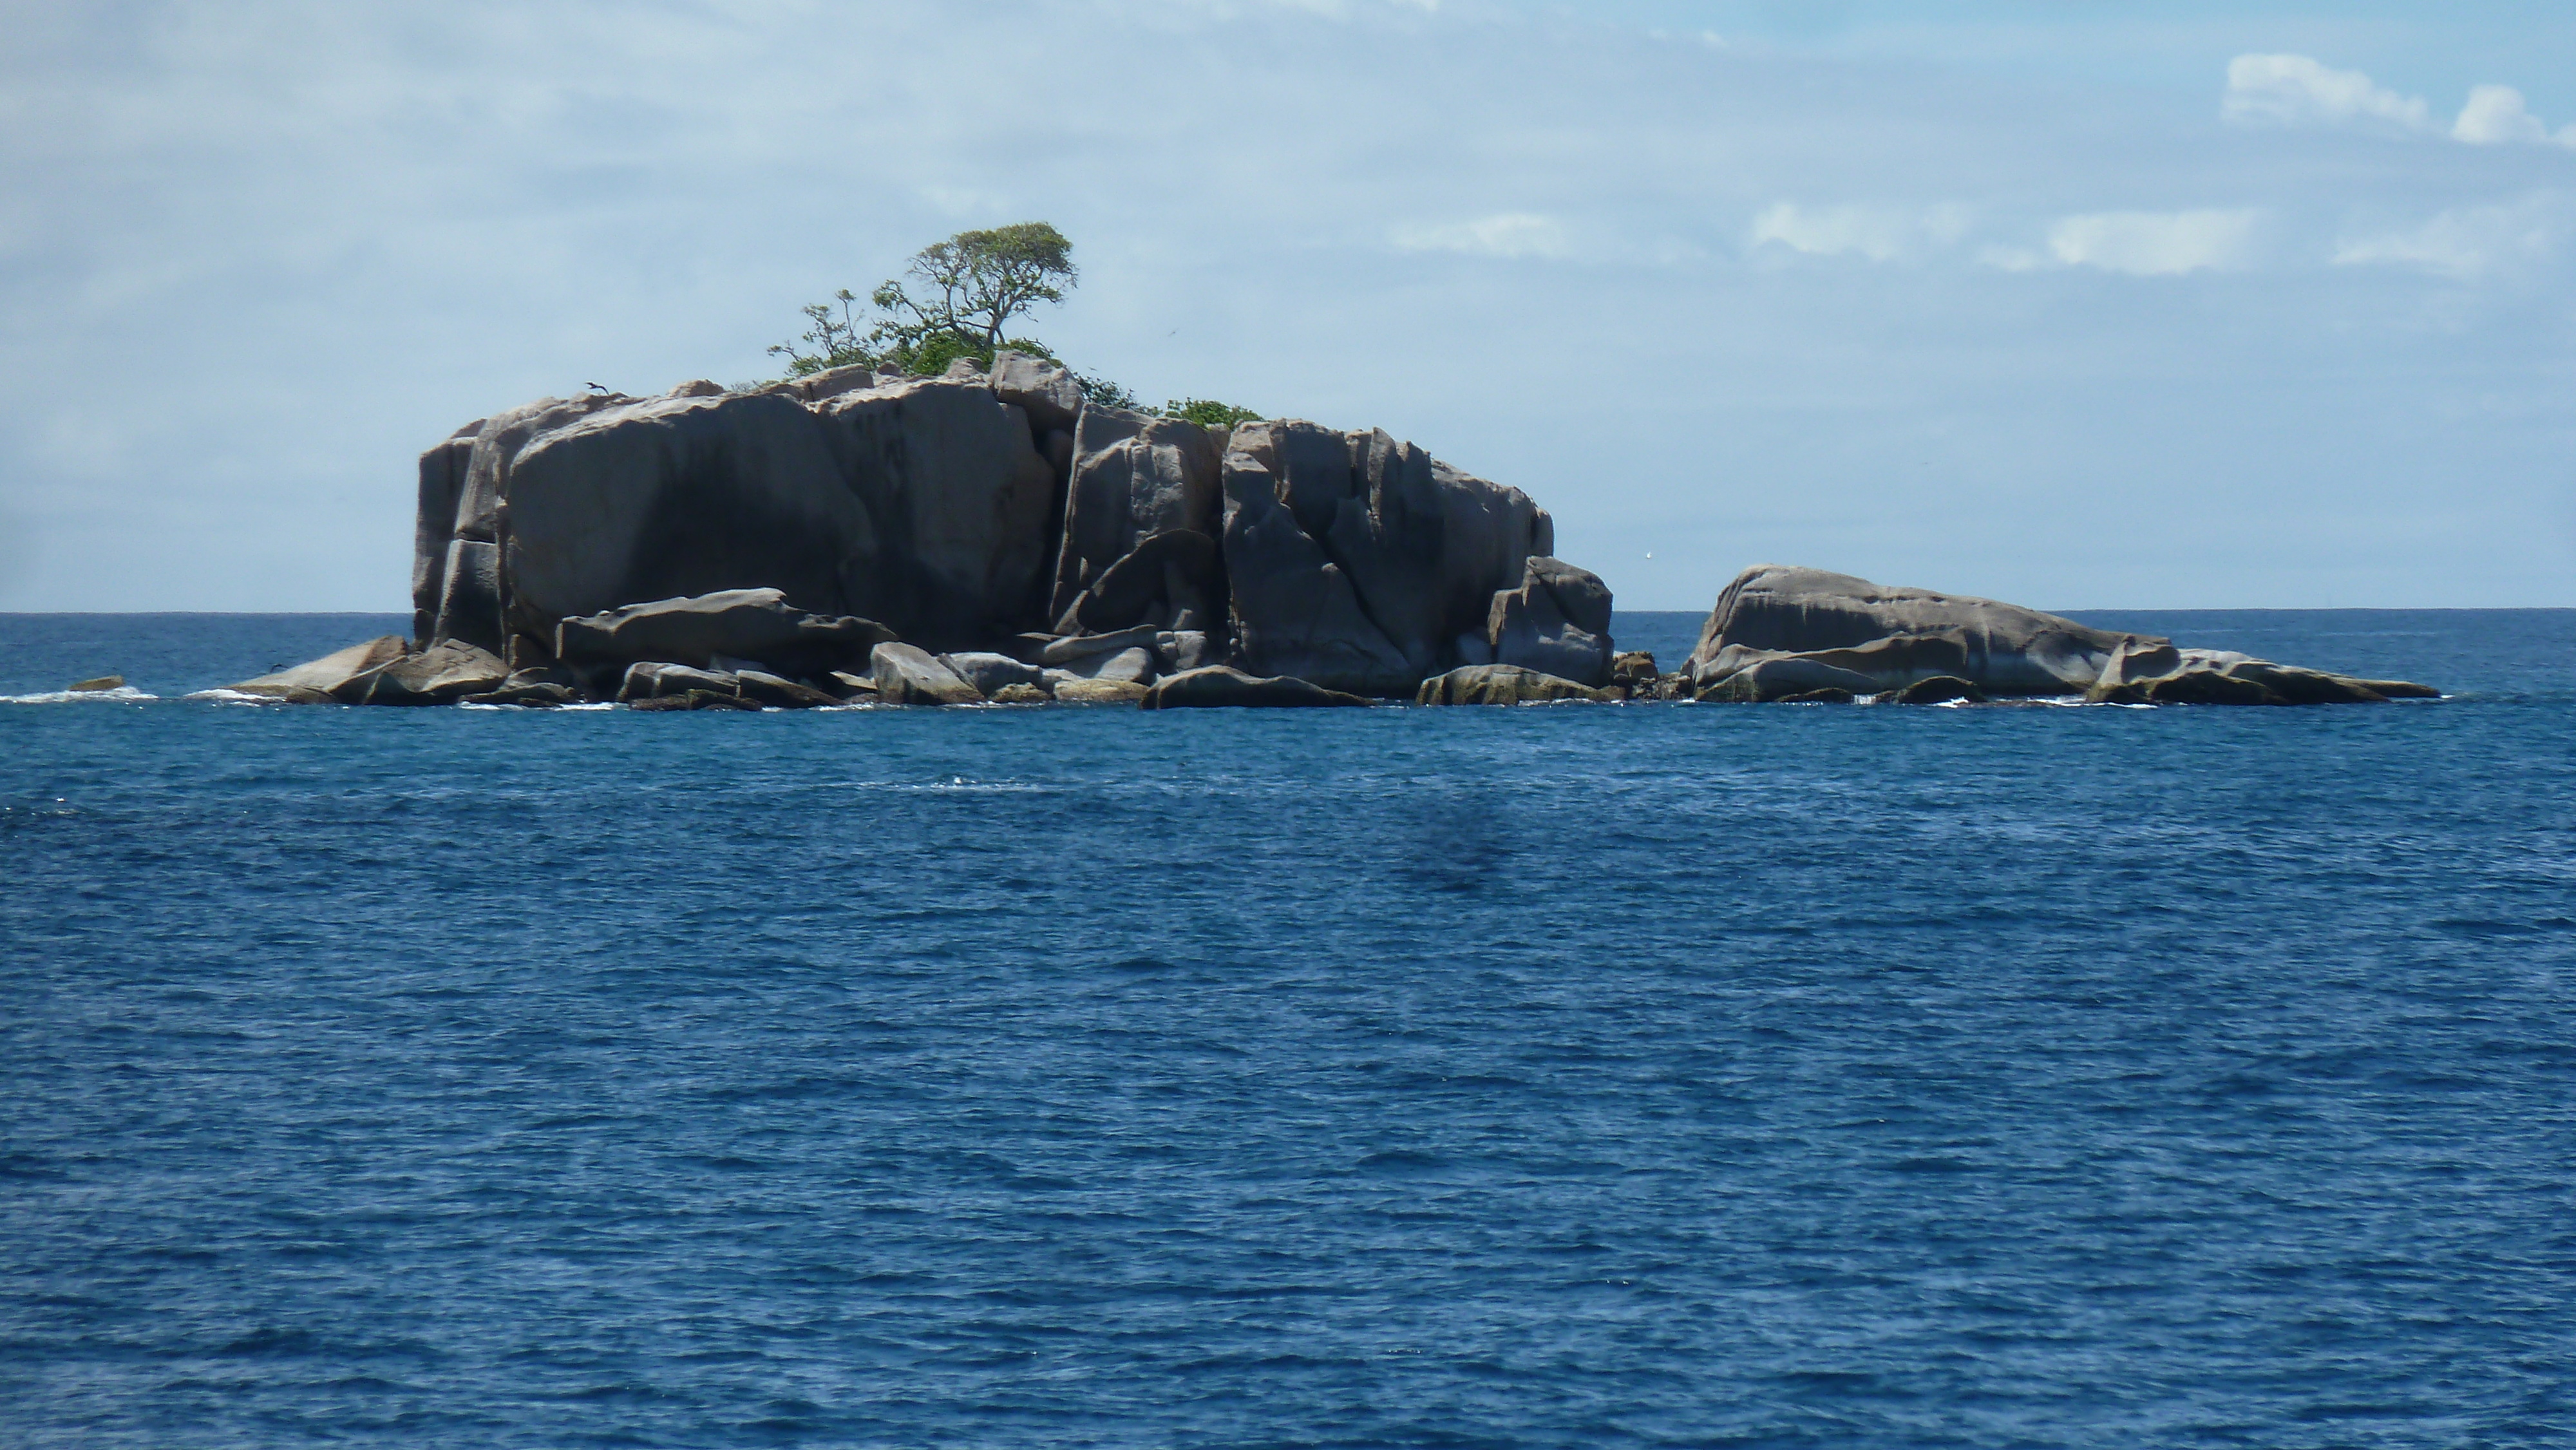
(1357, 562)
(1781, 634)
(925, 503)
(1141, 514)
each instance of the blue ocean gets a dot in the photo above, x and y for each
(1641, 1075)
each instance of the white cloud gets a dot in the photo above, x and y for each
(1509, 234)
(1882, 234)
(2469, 242)
(2155, 243)
(2293, 89)
(2496, 114)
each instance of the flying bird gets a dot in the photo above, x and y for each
(594, 387)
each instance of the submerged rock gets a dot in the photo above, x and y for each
(774, 693)
(1219, 686)
(535, 695)
(693, 700)
(1938, 690)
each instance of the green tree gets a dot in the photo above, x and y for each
(971, 285)
(956, 299)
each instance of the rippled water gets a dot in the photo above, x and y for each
(1559, 1076)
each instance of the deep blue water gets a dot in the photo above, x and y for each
(1654, 1075)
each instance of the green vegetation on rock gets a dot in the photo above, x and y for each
(956, 299)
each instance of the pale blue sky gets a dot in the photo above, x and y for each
(2079, 305)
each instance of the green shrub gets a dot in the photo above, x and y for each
(1208, 413)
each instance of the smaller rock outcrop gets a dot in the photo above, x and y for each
(2168, 676)
(1221, 686)
(1099, 692)
(442, 674)
(315, 681)
(96, 686)
(1502, 685)
(741, 624)
(1557, 622)
(532, 695)
(1789, 634)
(910, 675)
(991, 674)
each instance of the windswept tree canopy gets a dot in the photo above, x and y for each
(956, 299)
(974, 283)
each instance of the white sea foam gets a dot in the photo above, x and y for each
(122, 694)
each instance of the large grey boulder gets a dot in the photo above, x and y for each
(1356, 561)
(926, 503)
(1219, 686)
(1806, 629)
(991, 673)
(314, 681)
(910, 675)
(1557, 623)
(651, 679)
(1134, 478)
(1043, 389)
(742, 624)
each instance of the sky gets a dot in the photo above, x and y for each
(2097, 305)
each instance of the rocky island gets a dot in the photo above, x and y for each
(992, 534)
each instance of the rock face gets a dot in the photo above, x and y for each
(1145, 484)
(1357, 562)
(922, 502)
(1804, 634)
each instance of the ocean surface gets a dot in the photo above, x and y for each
(1562, 1076)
